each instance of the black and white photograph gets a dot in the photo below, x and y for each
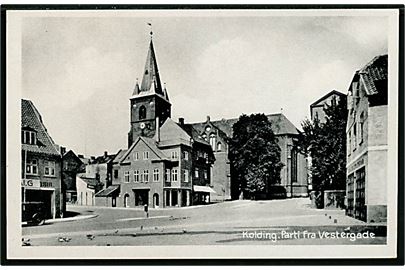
(202, 133)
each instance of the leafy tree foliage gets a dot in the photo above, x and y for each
(254, 155)
(326, 144)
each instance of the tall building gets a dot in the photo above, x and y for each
(41, 164)
(366, 183)
(149, 104)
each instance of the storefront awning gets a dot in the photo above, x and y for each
(108, 192)
(203, 189)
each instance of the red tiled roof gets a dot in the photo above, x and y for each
(31, 119)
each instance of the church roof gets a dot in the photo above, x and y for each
(31, 119)
(279, 123)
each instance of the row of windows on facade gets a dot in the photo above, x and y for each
(170, 175)
(355, 137)
(174, 155)
(31, 167)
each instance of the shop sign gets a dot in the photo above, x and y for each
(30, 183)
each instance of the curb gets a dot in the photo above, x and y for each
(59, 220)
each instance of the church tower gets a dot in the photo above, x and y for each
(149, 104)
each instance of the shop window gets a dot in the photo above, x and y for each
(32, 166)
(49, 167)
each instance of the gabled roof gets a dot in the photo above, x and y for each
(193, 133)
(375, 75)
(279, 123)
(171, 133)
(31, 119)
(333, 92)
(72, 154)
(119, 155)
(151, 143)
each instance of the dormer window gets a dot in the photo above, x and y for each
(29, 137)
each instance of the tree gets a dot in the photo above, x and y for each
(326, 144)
(254, 155)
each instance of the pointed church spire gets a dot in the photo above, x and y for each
(136, 89)
(151, 77)
(165, 94)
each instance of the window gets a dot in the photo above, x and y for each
(167, 175)
(185, 155)
(126, 176)
(155, 175)
(196, 172)
(175, 155)
(142, 112)
(136, 155)
(49, 168)
(205, 174)
(145, 155)
(219, 147)
(32, 166)
(354, 136)
(349, 145)
(136, 176)
(174, 175)
(361, 127)
(115, 173)
(213, 140)
(185, 172)
(204, 136)
(146, 176)
(29, 137)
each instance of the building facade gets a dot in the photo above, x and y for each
(41, 170)
(366, 182)
(166, 163)
(317, 108)
(71, 166)
(293, 175)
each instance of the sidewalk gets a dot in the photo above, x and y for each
(68, 219)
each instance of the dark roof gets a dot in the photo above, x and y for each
(119, 155)
(108, 191)
(375, 75)
(102, 159)
(31, 119)
(279, 123)
(333, 92)
(71, 154)
(193, 133)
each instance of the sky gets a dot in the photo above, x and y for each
(81, 71)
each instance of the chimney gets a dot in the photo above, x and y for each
(181, 121)
(62, 150)
(208, 118)
(157, 132)
(105, 153)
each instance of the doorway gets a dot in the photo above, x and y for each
(155, 200)
(126, 198)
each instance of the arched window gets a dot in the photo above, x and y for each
(213, 140)
(142, 112)
(219, 146)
